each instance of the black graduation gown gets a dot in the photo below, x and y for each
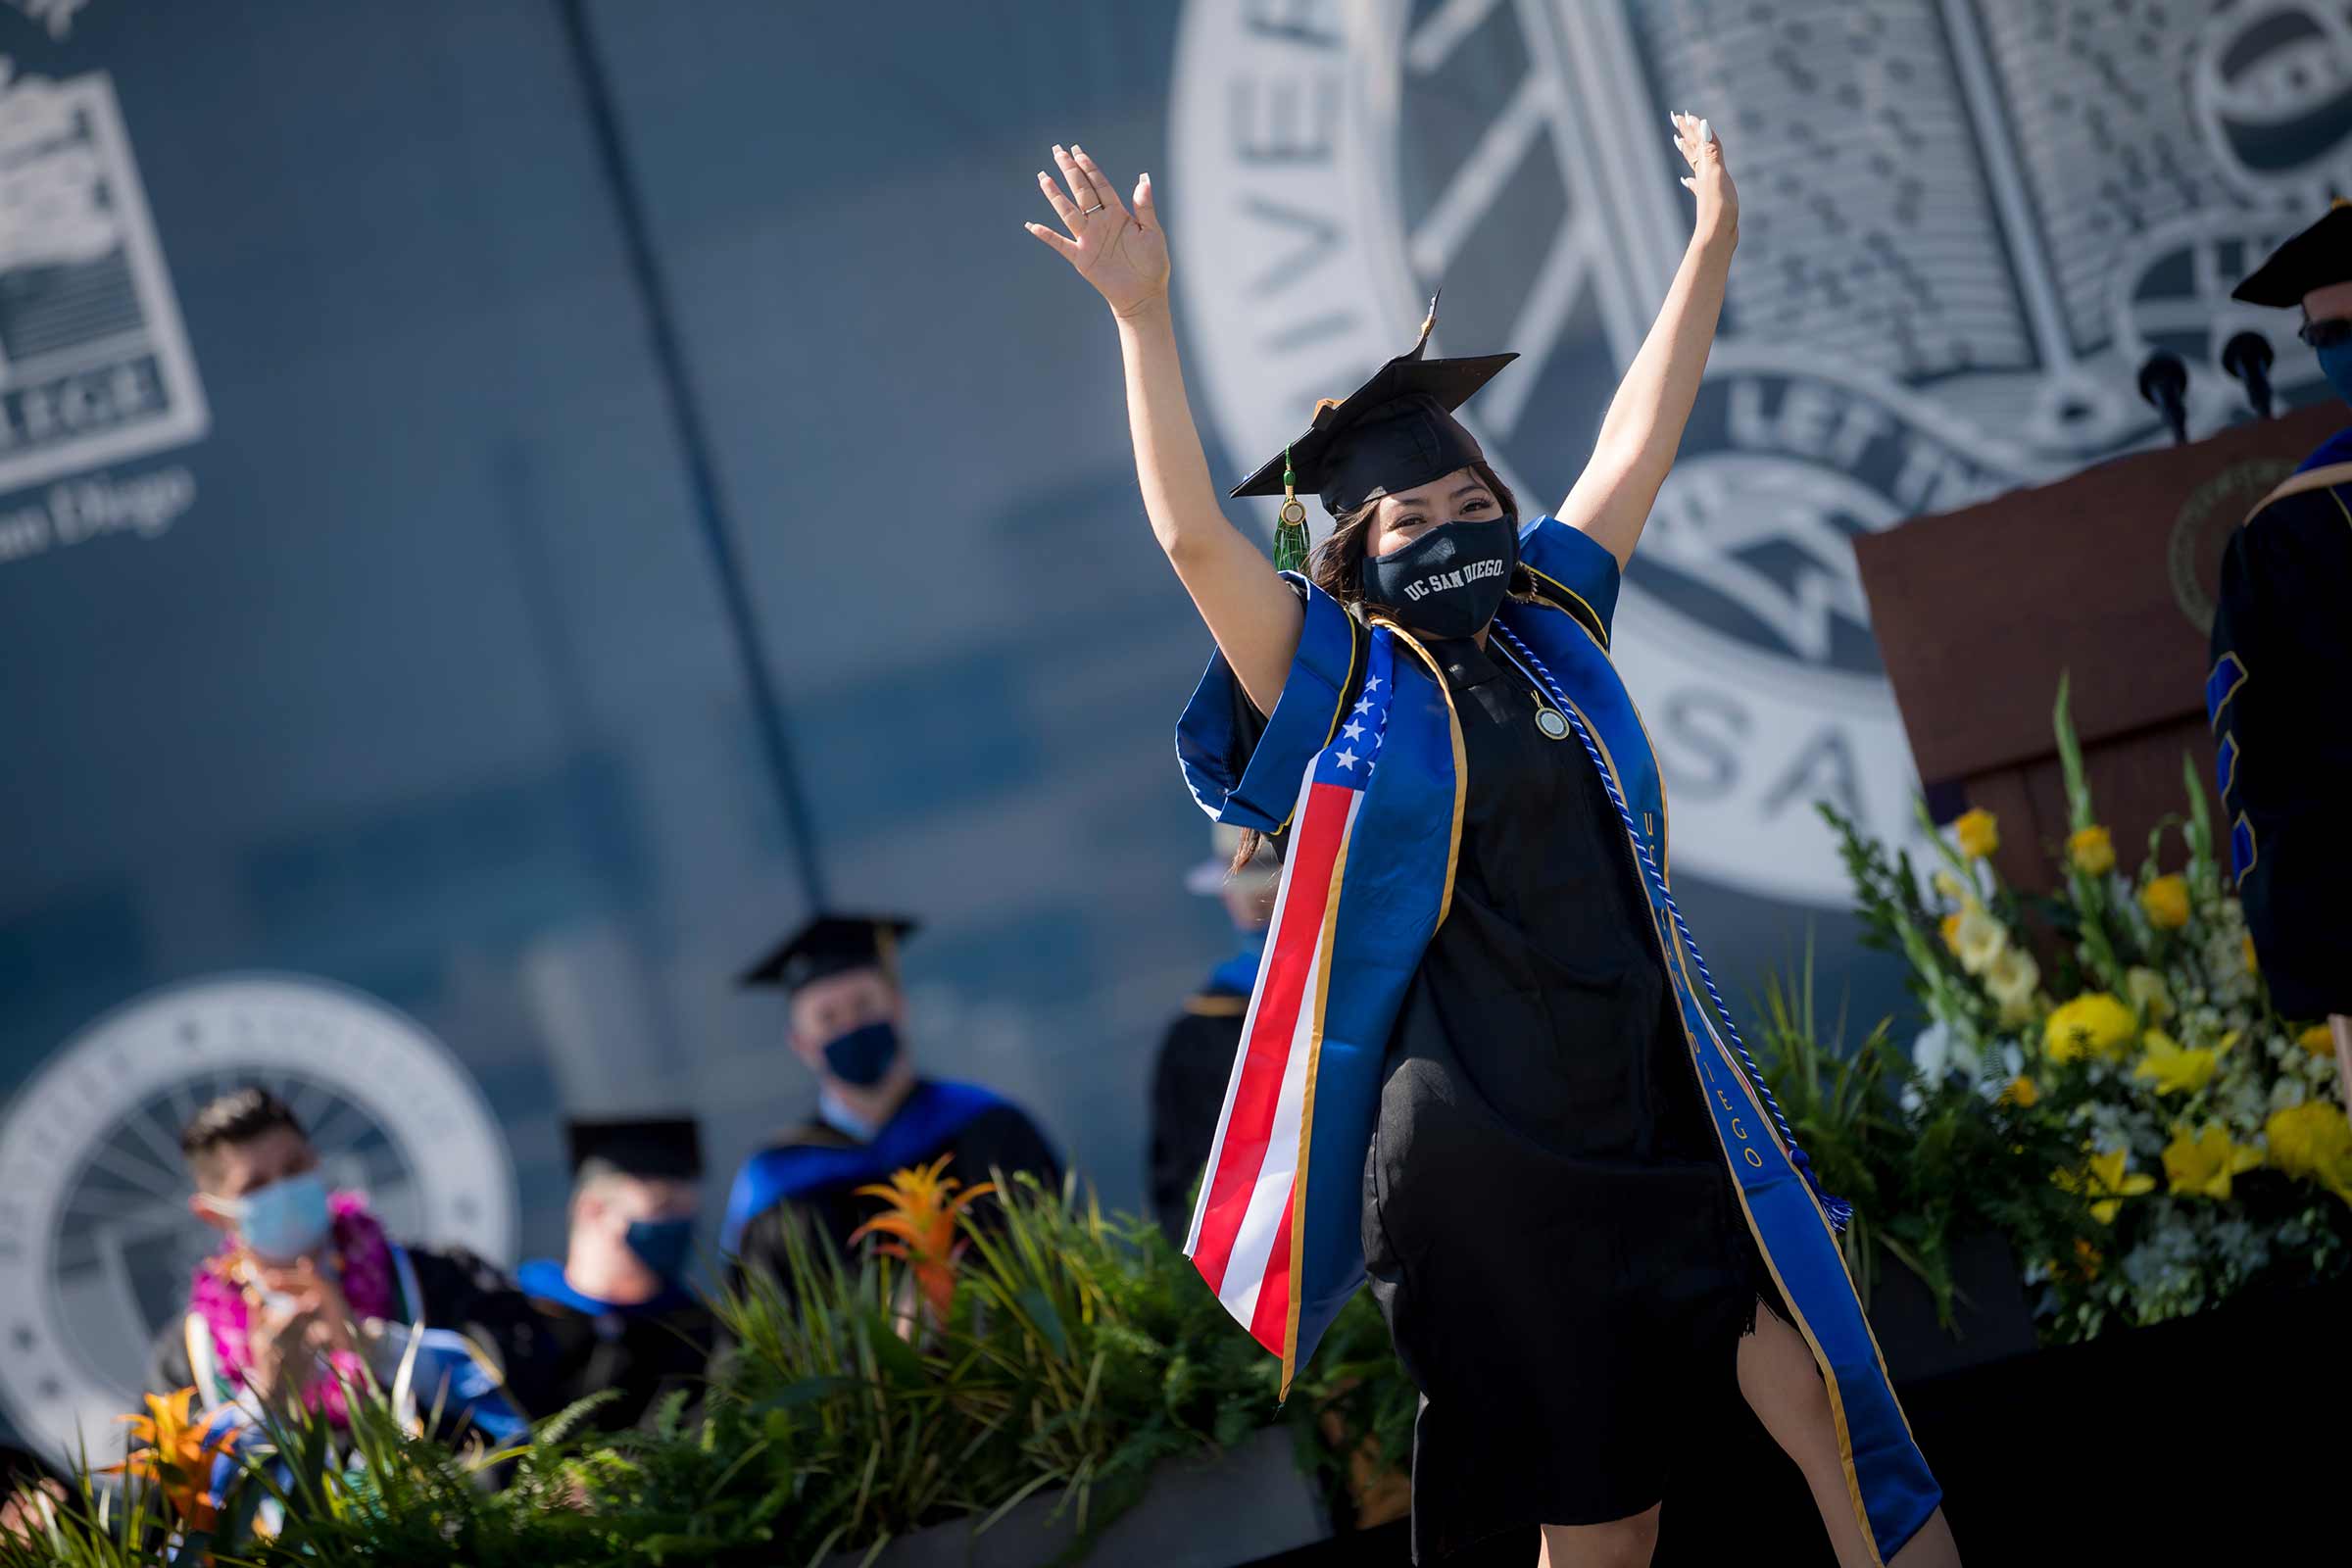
(1188, 1095)
(1549, 1225)
(1001, 1137)
(585, 1346)
(2279, 696)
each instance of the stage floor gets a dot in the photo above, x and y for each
(2220, 1438)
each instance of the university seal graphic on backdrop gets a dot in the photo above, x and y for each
(96, 1241)
(1963, 226)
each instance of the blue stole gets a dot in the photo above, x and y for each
(2337, 448)
(1393, 886)
(542, 1280)
(934, 1114)
(1236, 976)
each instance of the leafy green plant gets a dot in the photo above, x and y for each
(1925, 1164)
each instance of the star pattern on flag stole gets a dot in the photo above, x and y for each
(1353, 730)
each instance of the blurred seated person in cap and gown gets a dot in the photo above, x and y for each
(875, 1113)
(615, 1310)
(2281, 663)
(307, 1296)
(1198, 1053)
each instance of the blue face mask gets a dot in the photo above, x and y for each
(2336, 364)
(863, 1056)
(662, 1244)
(287, 1219)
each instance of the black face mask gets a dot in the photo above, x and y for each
(1450, 581)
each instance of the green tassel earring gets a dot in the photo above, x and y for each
(1290, 530)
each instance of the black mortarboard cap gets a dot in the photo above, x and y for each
(2318, 256)
(664, 1146)
(1395, 431)
(830, 944)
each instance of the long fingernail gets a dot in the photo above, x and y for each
(1076, 149)
(1706, 133)
(1057, 149)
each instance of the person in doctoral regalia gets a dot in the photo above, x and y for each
(615, 1310)
(876, 1111)
(1195, 1054)
(2282, 667)
(1480, 1066)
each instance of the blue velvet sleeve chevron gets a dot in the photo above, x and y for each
(1252, 780)
(1570, 564)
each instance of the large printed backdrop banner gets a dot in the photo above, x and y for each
(500, 502)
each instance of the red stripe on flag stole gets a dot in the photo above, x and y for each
(1271, 1320)
(1241, 1146)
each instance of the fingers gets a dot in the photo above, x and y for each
(1105, 191)
(1147, 212)
(1068, 249)
(1694, 139)
(1081, 190)
(1063, 207)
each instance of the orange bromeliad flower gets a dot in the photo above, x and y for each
(177, 1454)
(921, 1217)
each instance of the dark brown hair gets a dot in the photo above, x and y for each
(1337, 568)
(236, 1117)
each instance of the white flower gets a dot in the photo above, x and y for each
(1932, 1052)
(2285, 1094)
(1980, 938)
(2010, 979)
(2144, 987)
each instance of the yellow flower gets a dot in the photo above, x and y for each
(2010, 980)
(2174, 1069)
(2318, 1040)
(1950, 927)
(1979, 835)
(2166, 901)
(2093, 1024)
(2253, 964)
(2150, 997)
(2204, 1164)
(2102, 1178)
(2313, 1143)
(2092, 850)
(1951, 886)
(1980, 939)
(177, 1452)
(921, 1216)
(2020, 1093)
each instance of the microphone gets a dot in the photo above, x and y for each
(2247, 357)
(2162, 381)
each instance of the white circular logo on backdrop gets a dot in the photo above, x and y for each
(96, 1241)
(1957, 244)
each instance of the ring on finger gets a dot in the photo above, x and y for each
(1092, 211)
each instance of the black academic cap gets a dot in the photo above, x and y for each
(1395, 431)
(664, 1146)
(2318, 256)
(828, 945)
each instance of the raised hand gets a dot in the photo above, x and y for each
(1124, 254)
(1709, 180)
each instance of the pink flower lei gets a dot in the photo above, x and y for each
(362, 1256)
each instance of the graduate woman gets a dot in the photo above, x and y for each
(1479, 1065)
